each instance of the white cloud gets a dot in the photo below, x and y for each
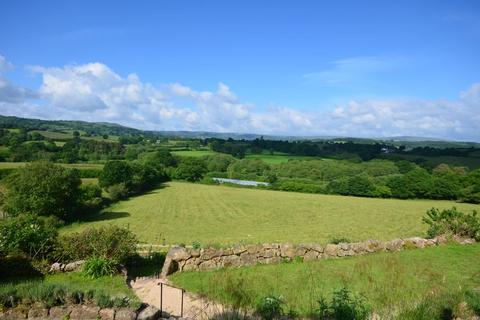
(94, 92)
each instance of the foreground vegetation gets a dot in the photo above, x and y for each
(391, 284)
(185, 213)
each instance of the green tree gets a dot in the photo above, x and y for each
(190, 169)
(116, 172)
(43, 189)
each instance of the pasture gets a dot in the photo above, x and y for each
(389, 281)
(185, 212)
(194, 153)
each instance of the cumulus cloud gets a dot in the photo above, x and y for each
(94, 92)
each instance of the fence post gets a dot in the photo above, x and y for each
(181, 310)
(161, 299)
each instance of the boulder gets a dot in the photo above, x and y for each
(232, 261)
(37, 313)
(125, 314)
(238, 249)
(287, 250)
(74, 266)
(331, 250)
(178, 254)
(248, 259)
(14, 314)
(83, 312)
(394, 245)
(60, 312)
(107, 314)
(169, 266)
(311, 255)
(209, 253)
(149, 313)
(57, 267)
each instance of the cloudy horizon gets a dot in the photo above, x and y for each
(313, 85)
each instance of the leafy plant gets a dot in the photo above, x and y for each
(96, 267)
(112, 242)
(452, 222)
(343, 306)
(196, 245)
(270, 307)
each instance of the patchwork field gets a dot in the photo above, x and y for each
(389, 281)
(185, 213)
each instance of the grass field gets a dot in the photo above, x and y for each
(185, 212)
(194, 153)
(388, 280)
(277, 158)
(15, 165)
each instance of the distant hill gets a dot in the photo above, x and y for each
(113, 129)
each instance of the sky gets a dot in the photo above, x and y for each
(310, 68)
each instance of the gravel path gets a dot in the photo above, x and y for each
(148, 290)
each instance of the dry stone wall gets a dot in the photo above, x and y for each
(181, 259)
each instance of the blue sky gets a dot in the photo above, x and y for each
(358, 68)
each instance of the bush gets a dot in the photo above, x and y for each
(451, 222)
(343, 306)
(117, 192)
(28, 235)
(96, 267)
(112, 242)
(43, 189)
(270, 307)
(190, 169)
(91, 196)
(116, 172)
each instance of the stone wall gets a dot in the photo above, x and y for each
(84, 312)
(186, 259)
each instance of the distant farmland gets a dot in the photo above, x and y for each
(185, 212)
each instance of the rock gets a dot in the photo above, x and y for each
(14, 314)
(248, 259)
(207, 265)
(331, 250)
(209, 253)
(238, 249)
(125, 314)
(83, 312)
(60, 312)
(195, 253)
(38, 313)
(149, 313)
(232, 261)
(267, 254)
(253, 248)
(273, 260)
(287, 250)
(74, 266)
(178, 253)
(394, 245)
(107, 314)
(169, 266)
(310, 256)
(442, 239)
(57, 267)
(359, 247)
(415, 242)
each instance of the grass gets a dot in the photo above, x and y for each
(15, 165)
(194, 153)
(277, 158)
(388, 280)
(185, 212)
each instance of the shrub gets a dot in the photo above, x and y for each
(190, 169)
(96, 267)
(343, 306)
(337, 240)
(116, 172)
(43, 189)
(111, 242)
(91, 196)
(117, 192)
(29, 235)
(270, 307)
(452, 222)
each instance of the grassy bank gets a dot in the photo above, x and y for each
(389, 281)
(185, 212)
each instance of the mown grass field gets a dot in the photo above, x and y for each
(185, 212)
(194, 153)
(277, 158)
(15, 165)
(389, 281)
